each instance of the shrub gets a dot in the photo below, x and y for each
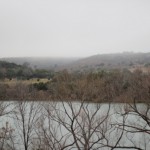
(40, 86)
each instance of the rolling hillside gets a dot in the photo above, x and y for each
(97, 62)
(112, 61)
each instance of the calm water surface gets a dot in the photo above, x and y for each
(112, 123)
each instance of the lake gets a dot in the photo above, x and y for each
(74, 125)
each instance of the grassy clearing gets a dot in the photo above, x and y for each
(27, 82)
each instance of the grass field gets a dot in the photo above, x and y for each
(30, 81)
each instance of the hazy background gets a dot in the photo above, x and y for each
(73, 28)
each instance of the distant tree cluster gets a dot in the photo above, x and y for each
(12, 70)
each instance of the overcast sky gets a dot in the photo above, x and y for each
(72, 28)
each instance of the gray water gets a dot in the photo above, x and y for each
(47, 115)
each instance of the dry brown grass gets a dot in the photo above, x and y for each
(27, 82)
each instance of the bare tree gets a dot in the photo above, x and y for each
(75, 125)
(6, 133)
(138, 124)
(50, 136)
(26, 117)
(7, 137)
(132, 127)
(6, 108)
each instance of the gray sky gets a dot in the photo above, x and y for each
(75, 28)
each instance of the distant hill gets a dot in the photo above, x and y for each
(41, 62)
(126, 60)
(111, 61)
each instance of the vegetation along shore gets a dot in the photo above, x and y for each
(21, 82)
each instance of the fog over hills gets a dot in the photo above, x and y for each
(41, 62)
(112, 61)
(101, 61)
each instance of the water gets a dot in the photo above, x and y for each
(54, 125)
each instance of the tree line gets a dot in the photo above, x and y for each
(102, 86)
(12, 70)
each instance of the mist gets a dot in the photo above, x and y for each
(70, 28)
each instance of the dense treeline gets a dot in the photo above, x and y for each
(102, 86)
(12, 70)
